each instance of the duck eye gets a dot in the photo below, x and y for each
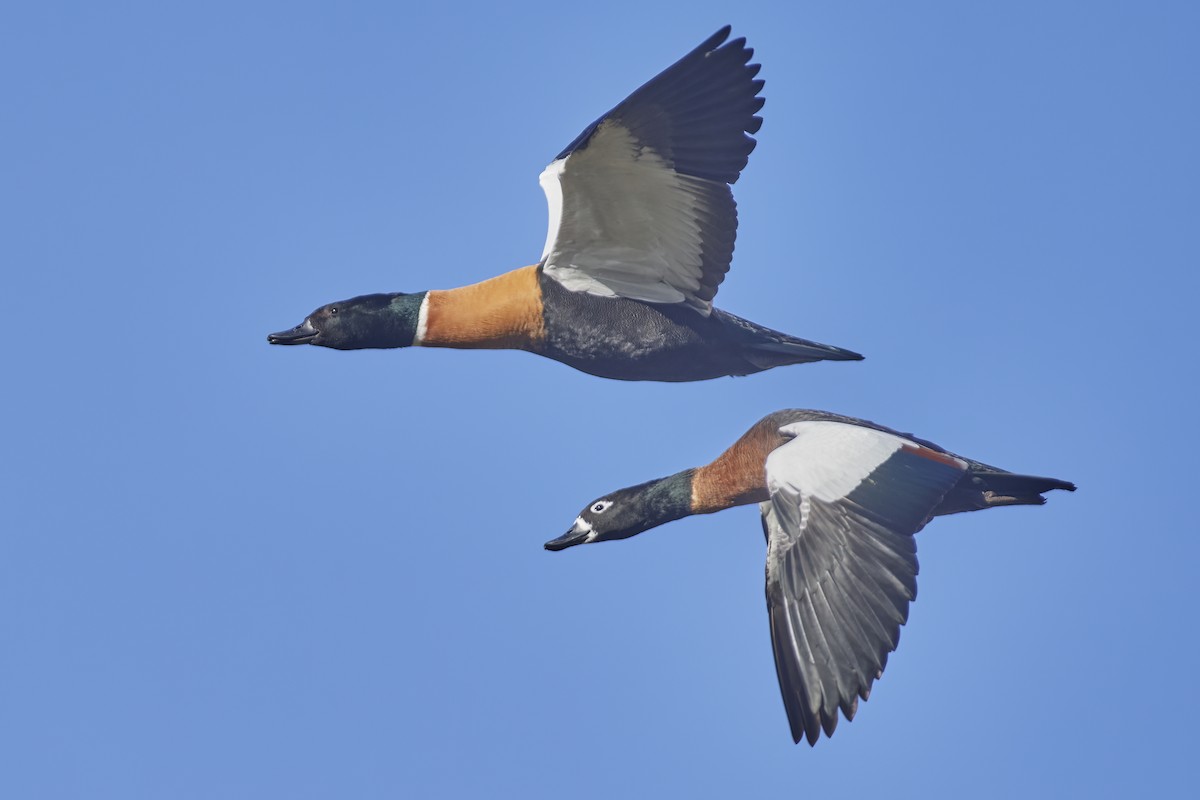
(333, 311)
(599, 507)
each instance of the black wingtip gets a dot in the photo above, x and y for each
(714, 41)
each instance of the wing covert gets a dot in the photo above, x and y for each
(842, 561)
(639, 203)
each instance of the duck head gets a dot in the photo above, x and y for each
(628, 512)
(368, 321)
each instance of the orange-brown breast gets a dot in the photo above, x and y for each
(502, 312)
(739, 475)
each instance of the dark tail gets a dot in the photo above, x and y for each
(988, 487)
(800, 351)
(1007, 489)
(766, 348)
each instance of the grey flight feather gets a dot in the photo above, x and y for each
(840, 577)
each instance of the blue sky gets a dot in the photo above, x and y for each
(230, 570)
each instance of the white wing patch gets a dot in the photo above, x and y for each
(623, 222)
(826, 460)
(549, 180)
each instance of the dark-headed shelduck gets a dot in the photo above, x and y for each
(841, 499)
(642, 224)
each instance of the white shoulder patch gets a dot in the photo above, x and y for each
(826, 460)
(549, 180)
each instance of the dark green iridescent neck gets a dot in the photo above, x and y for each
(402, 315)
(669, 498)
(378, 321)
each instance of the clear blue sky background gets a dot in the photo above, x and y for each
(235, 571)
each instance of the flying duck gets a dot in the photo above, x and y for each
(642, 226)
(841, 499)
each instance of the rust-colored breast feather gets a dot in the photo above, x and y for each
(739, 475)
(504, 312)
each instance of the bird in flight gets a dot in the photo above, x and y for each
(641, 234)
(841, 500)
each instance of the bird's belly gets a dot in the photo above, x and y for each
(629, 340)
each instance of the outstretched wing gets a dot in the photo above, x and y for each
(841, 559)
(640, 204)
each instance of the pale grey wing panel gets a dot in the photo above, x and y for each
(841, 573)
(629, 226)
(640, 204)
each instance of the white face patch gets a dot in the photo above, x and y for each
(582, 525)
(422, 321)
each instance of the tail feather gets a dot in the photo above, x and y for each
(991, 488)
(766, 348)
(802, 350)
(1008, 489)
